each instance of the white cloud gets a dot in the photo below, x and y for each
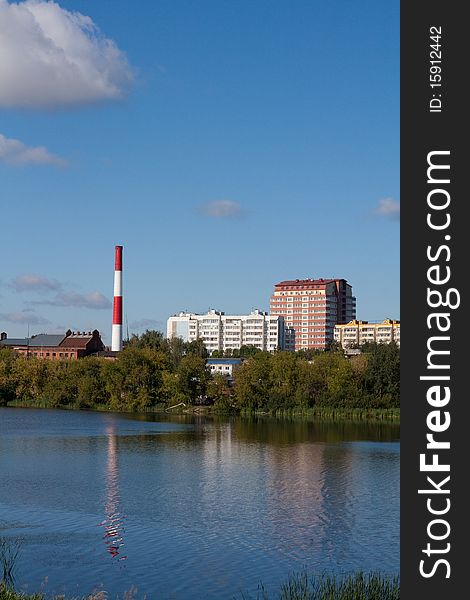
(74, 299)
(388, 207)
(16, 153)
(29, 282)
(221, 209)
(26, 317)
(52, 57)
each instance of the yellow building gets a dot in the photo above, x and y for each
(356, 333)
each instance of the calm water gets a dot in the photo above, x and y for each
(193, 508)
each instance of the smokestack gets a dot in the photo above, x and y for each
(116, 338)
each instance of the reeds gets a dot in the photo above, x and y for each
(357, 586)
(300, 586)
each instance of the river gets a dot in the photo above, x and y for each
(193, 508)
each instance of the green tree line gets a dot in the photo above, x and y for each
(152, 372)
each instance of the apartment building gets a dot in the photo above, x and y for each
(223, 332)
(312, 308)
(356, 333)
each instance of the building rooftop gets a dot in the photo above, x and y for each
(46, 339)
(14, 341)
(76, 342)
(42, 340)
(297, 282)
(71, 339)
(355, 322)
(224, 361)
(304, 282)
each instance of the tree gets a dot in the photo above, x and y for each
(60, 388)
(248, 350)
(175, 350)
(382, 377)
(336, 379)
(285, 379)
(218, 390)
(335, 346)
(196, 347)
(30, 377)
(193, 376)
(7, 384)
(91, 385)
(253, 386)
(149, 339)
(134, 381)
(171, 392)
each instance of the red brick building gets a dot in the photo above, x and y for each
(69, 346)
(312, 307)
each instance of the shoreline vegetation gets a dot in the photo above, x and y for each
(153, 374)
(299, 586)
(324, 414)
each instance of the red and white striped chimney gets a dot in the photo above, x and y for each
(116, 337)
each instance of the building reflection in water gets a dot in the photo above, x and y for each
(114, 522)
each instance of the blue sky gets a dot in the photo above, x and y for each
(226, 145)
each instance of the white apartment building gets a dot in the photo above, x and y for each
(356, 333)
(229, 332)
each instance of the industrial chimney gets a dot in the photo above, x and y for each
(116, 338)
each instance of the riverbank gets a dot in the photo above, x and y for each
(359, 586)
(145, 379)
(323, 413)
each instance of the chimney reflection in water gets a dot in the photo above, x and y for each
(113, 524)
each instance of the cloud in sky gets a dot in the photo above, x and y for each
(144, 324)
(221, 209)
(15, 152)
(51, 57)
(388, 207)
(26, 317)
(94, 300)
(29, 282)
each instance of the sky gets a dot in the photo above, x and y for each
(226, 145)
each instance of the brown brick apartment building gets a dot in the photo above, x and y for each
(312, 307)
(69, 346)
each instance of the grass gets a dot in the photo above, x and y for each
(358, 586)
(9, 594)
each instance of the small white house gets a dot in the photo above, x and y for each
(224, 366)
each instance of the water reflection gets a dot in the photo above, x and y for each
(223, 503)
(114, 522)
